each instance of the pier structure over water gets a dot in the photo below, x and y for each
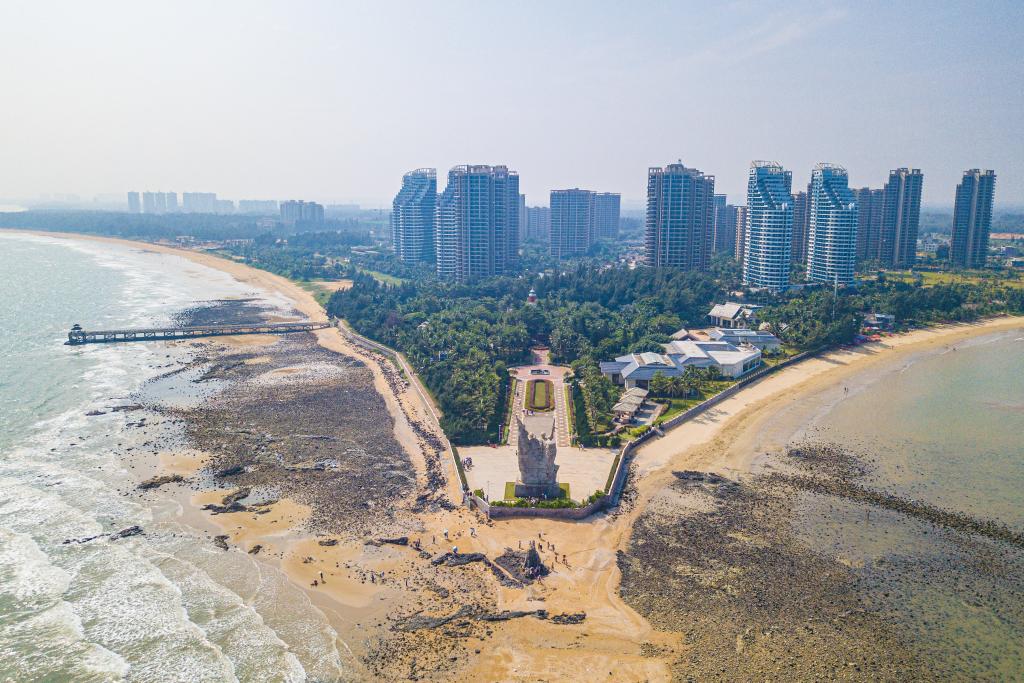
(77, 335)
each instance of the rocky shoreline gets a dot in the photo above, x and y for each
(715, 559)
(723, 562)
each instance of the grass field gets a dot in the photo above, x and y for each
(540, 395)
(510, 490)
(930, 278)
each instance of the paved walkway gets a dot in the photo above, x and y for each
(540, 423)
(584, 470)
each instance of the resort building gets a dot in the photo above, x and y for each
(766, 341)
(412, 217)
(832, 245)
(538, 223)
(478, 223)
(801, 226)
(972, 218)
(258, 207)
(769, 235)
(632, 400)
(740, 225)
(732, 315)
(901, 218)
(299, 212)
(869, 222)
(637, 369)
(680, 217)
(572, 223)
(199, 202)
(724, 236)
(158, 202)
(606, 215)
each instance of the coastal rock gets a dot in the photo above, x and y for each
(127, 408)
(133, 530)
(157, 482)
(328, 542)
(93, 413)
(458, 559)
(255, 550)
(221, 541)
(574, 618)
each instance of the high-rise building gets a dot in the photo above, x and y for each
(199, 202)
(258, 207)
(134, 203)
(739, 224)
(171, 202)
(225, 206)
(832, 245)
(606, 215)
(299, 212)
(680, 217)
(572, 222)
(522, 218)
(538, 223)
(478, 223)
(413, 215)
(869, 222)
(768, 241)
(801, 225)
(972, 218)
(724, 239)
(901, 217)
(154, 202)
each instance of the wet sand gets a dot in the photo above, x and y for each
(614, 642)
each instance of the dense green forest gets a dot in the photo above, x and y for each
(817, 318)
(462, 338)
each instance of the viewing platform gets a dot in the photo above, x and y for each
(77, 335)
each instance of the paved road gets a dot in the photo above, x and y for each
(540, 423)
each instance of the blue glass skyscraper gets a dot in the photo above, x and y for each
(769, 234)
(832, 243)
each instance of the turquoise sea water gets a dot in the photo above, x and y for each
(164, 606)
(946, 428)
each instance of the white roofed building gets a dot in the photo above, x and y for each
(766, 341)
(732, 315)
(637, 369)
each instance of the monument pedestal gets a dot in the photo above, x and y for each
(548, 491)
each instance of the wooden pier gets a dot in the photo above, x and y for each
(77, 335)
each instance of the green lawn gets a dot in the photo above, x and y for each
(675, 406)
(540, 395)
(510, 490)
(382, 277)
(940, 278)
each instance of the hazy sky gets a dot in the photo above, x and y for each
(334, 101)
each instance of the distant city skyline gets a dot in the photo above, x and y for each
(102, 104)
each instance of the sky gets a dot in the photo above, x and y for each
(334, 101)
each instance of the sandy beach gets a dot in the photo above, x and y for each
(373, 590)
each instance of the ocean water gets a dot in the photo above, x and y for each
(946, 428)
(163, 606)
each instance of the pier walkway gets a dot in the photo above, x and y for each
(77, 335)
